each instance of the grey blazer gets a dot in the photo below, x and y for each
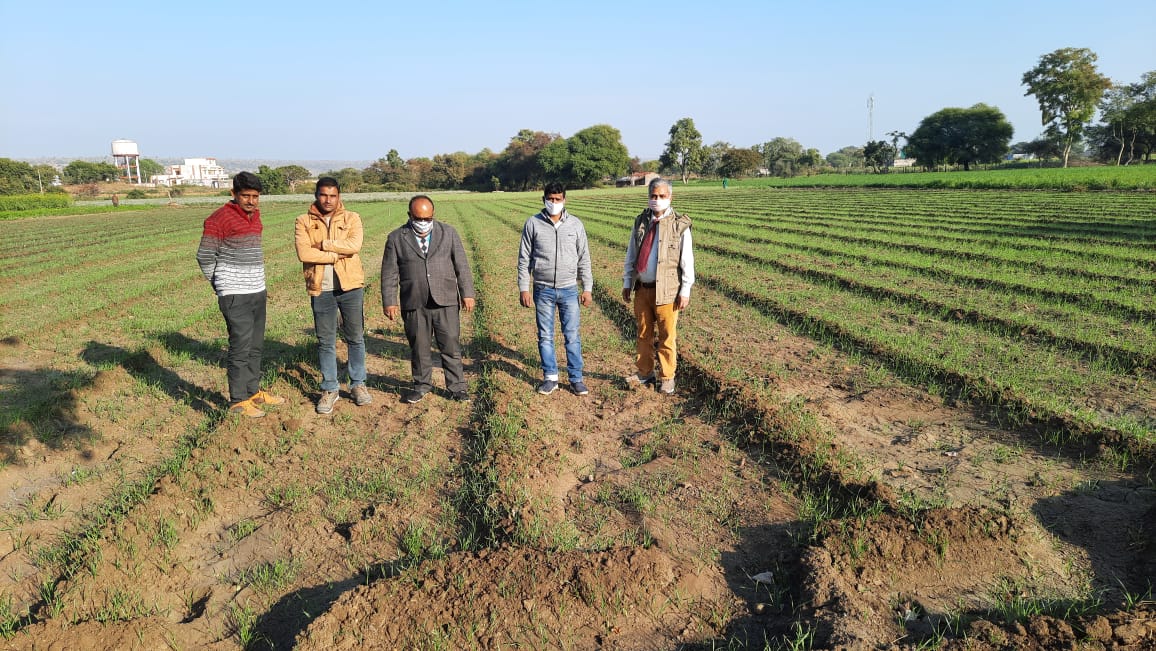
(442, 275)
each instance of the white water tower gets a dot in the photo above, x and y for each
(124, 155)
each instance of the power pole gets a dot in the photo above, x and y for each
(870, 117)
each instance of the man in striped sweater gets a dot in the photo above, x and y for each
(230, 256)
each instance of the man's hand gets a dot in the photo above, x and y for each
(468, 305)
(527, 299)
(392, 312)
(626, 294)
(585, 298)
(681, 302)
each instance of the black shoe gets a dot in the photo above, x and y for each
(412, 396)
(460, 396)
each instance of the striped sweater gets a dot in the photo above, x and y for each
(230, 251)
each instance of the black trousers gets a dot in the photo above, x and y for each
(427, 325)
(245, 318)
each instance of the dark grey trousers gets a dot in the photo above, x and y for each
(425, 326)
(245, 318)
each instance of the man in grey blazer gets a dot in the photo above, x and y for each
(427, 259)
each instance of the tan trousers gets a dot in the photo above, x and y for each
(655, 322)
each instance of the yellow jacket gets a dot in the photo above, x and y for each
(338, 244)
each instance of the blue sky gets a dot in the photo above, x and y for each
(352, 80)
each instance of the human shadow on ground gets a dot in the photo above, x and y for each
(143, 366)
(291, 614)
(1115, 523)
(41, 404)
(292, 362)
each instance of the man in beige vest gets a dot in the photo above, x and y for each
(659, 271)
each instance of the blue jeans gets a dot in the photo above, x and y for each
(565, 300)
(351, 305)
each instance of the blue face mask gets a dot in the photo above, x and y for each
(422, 226)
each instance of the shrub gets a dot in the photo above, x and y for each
(135, 193)
(34, 201)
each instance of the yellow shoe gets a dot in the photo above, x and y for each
(263, 398)
(246, 408)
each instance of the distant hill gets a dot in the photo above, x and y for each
(232, 165)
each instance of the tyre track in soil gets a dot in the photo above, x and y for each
(673, 515)
(1030, 485)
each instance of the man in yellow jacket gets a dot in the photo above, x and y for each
(328, 240)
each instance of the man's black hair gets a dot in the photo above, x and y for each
(247, 181)
(418, 197)
(327, 182)
(554, 187)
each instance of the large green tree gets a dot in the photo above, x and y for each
(846, 158)
(879, 155)
(350, 179)
(150, 168)
(1067, 86)
(781, 156)
(449, 171)
(18, 177)
(390, 172)
(1128, 113)
(712, 156)
(518, 167)
(293, 175)
(738, 162)
(596, 152)
(554, 161)
(79, 171)
(810, 159)
(684, 149)
(957, 136)
(272, 180)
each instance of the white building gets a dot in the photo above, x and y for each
(194, 171)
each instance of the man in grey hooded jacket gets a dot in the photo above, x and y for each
(555, 258)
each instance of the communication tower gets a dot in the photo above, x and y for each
(124, 155)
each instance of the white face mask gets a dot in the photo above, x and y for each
(422, 226)
(659, 206)
(554, 209)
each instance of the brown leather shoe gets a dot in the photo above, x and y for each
(247, 409)
(263, 398)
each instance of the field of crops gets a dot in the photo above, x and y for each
(905, 418)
